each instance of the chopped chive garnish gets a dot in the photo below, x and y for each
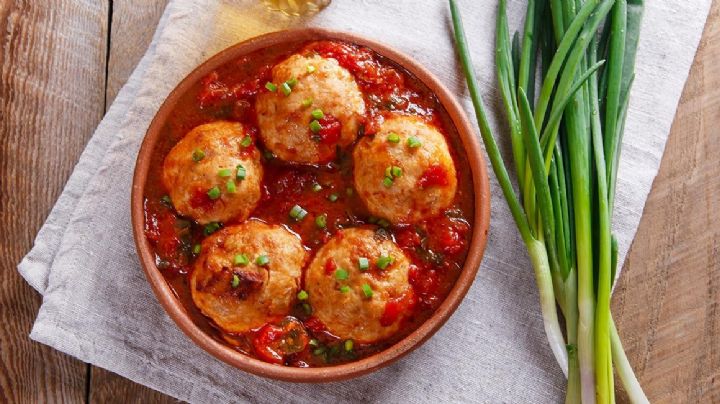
(297, 212)
(383, 223)
(285, 88)
(333, 197)
(307, 102)
(213, 193)
(384, 261)
(292, 82)
(363, 263)
(310, 68)
(211, 228)
(317, 187)
(344, 289)
(396, 171)
(319, 351)
(246, 141)
(321, 221)
(388, 171)
(198, 155)
(196, 249)
(262, 260)
(302, 295)
(241, 172)
(393, 137)
(314, 342)
(230, 186)
(268, 155)
(349, 191)
(270, 86)
(315, 126)
(225, 172)
(349, 345)
(317, 113)
(241, 259)
(367, 290)
(166, 200)
(413, 142)
(307, 308)
(341, 274)
(235, 281)
(387, 182)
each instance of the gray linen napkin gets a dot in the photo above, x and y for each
(98, 305)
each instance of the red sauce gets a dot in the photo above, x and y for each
(437, 247)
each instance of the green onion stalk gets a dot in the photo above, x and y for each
(565, 150)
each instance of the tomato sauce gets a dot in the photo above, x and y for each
(437, 247)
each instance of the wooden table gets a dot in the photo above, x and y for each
(64, 61)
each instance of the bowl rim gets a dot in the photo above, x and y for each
(480, 225)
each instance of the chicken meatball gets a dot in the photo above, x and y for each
(316, 106)
(247, 275)
(405, 173)
(214, 174)
(358, 286)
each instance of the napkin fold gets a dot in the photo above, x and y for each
(98, 306)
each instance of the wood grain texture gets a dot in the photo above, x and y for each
(131, 29)
(51, 99)
(666, 303)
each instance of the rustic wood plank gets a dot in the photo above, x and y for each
(666, 303)
(51, 99)
(131, 30)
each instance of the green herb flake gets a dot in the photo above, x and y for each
(225, 172)
(241, 172)
(333, 197)
(393, 137)
(303, 295)
(270, 86)
(230, 186)
(387, 182)
(211, 228)
(367, 290)
(213, 193)
(384, 261)
(321, 221)
(317, 113)
(341, 274)
(315, 126)
(196, 249)
(241, 260)
(349, 344)
(413, 142)
(363, 263)
(262, 260)
(344, 289)
(285, 88)
(246, 141)
(235, 281)
(198, 155)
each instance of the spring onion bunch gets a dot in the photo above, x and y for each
(566, 133)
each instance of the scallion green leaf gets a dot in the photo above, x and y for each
(241, 259)
(213, 193)
(341, 274)
(262, 260)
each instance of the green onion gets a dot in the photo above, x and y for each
(198, 155)
(241, 172)
(388, 171)
(317, 113)
(321, 221)
(262, 260)
(333, 197)
(363, 263)
(319, 351)
(230, 186)
(307, 102)
(196, 249)
(213, 193)
(211, 228)
(396, 171)
(307, 308)
(310, 68)
(349, 345)
(344, 289)
(303, 295)
(241, 259)
(367, 290)
(292, 82)
(315, 126)
(285, 88)
(268, 155)
(270, 86)
(246, 141)
(225, 172)
(314, 342)
(316, 187)
(383, 223)
(166, 200)
(341, 274)
(235, 281)
(298, 213)
(387, 182)
(413, 142)
(393, 137)
(384, 261)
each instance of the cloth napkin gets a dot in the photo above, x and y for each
(98, 306)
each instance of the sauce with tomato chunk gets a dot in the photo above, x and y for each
(437, 247)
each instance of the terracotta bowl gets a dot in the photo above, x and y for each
(175, 308)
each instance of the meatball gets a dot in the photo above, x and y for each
(214, 174)
(320, 87)
(247, 275)
(365, 303)
(405, 173)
